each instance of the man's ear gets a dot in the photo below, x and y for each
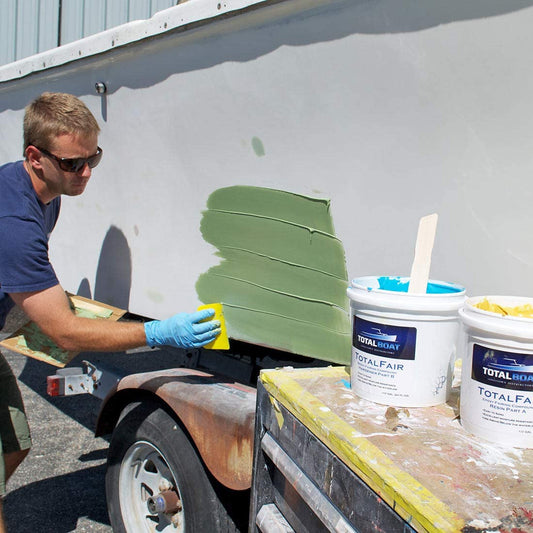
(33, 156)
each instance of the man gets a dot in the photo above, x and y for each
(60, 149)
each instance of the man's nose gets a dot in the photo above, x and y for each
(85, 171)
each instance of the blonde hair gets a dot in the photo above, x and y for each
(53, 114)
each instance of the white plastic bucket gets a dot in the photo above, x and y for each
(497, 374)
(403, 345)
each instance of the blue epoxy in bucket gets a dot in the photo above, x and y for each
(403, 344)
(399, 284)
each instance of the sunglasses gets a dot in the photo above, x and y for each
(77, 163)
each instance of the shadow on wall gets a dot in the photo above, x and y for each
(326, 23)
(84, 289)
(113, 275)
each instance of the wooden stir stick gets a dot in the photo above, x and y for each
(427, 228)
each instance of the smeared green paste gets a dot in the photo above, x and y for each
(34, 342)
(258, 147)
(282, 278)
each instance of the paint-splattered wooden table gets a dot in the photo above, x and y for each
(418, 462)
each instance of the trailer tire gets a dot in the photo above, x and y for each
(149, 451)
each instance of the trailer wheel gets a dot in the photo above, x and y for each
(155, 480)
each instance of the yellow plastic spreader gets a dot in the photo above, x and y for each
(222, 341)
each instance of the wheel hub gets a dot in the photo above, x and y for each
(149, 495)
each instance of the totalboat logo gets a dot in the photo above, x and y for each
(506, 370)
(384, 340)
(377, 339)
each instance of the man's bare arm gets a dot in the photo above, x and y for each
(50, 310)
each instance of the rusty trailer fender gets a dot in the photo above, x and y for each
(218, 413)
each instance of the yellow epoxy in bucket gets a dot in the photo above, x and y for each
(524, 311)
(222, 341)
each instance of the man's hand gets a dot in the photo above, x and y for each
(184, 330)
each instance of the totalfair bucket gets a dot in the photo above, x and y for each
(497, 372)
(403, 345)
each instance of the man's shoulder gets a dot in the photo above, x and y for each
(11, 169)
(13, 189)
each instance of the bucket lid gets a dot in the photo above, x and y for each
(367, 290)
(512, 326)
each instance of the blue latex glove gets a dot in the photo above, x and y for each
(183, 330)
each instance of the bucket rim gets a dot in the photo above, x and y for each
(510, 327)
(517, 300)
(358, 284)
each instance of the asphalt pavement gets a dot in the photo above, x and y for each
(60, 486)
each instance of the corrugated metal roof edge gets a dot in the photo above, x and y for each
(162, 22)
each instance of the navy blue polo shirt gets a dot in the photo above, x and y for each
(25, 227)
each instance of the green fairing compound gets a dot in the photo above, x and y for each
(282, 278)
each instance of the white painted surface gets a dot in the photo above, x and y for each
(359, 101)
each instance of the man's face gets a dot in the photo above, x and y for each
(67, 146)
